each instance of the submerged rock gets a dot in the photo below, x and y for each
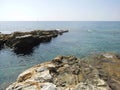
(71, 73)
(24, 42)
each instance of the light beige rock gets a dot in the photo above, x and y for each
(107, 55)
(62, 73)
(48, 86)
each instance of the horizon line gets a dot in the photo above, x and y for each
(63, 21)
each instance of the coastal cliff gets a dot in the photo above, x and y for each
(96, 72)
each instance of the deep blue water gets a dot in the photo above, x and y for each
(83, 38)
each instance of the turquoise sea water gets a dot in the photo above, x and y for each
(83, 38)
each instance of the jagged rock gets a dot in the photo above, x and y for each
(24, 42)
(2, 40)
(60, 74)
(108, 66)
(1, 43)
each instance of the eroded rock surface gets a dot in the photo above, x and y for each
(24, 42)
(101, 72)
(108, 65)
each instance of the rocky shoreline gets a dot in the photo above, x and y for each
(24, 42)
(97, 72)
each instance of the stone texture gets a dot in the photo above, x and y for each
(1, 43)
(101, 72)
(24, 42)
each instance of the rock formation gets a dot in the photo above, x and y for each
(1, 43)
(23, 42)
(99, 72)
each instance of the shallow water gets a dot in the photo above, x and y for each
(83, 38)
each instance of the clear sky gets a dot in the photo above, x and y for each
(59, 10)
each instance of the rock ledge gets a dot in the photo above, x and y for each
(24, 42)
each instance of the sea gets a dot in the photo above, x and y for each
(83, 39)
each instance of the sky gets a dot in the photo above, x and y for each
(59, 10)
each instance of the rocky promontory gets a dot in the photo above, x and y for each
(97, 72)
(23, 42)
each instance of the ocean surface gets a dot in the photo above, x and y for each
(84, 38)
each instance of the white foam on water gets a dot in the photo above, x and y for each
(5, 32)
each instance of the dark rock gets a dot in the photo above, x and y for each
(45, 38)
(53, 71)
(57, 60)
(118, 56)
(1, 43)
(24, 42)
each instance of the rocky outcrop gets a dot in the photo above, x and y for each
(1, 43)
(2, 40)
(23, 42)
(100, 72)
(108, 65)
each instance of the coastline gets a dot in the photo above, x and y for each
(97, 72)
(24, 42)
(79, 42)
